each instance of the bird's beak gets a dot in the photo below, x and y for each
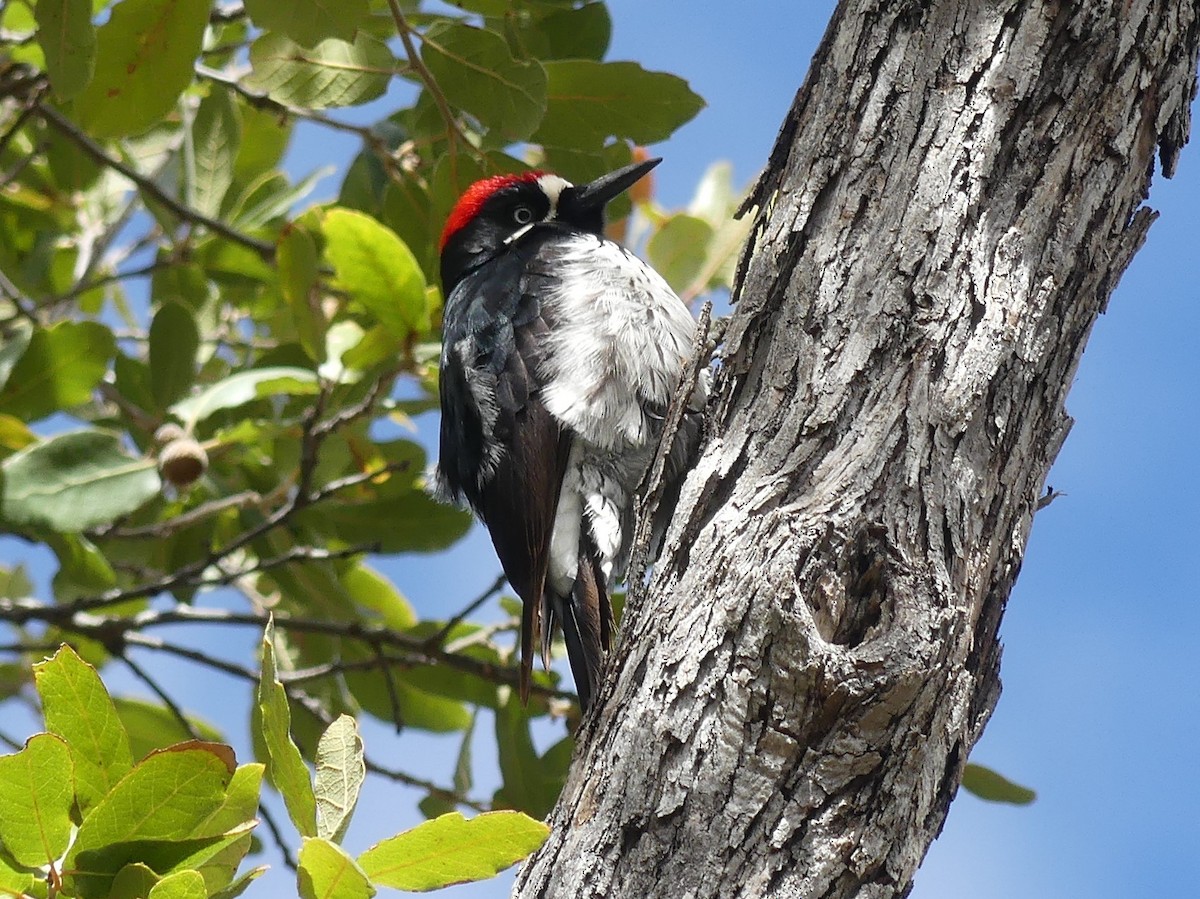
(599, 192)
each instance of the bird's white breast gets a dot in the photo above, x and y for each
(620, 338)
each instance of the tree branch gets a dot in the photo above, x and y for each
(68, 128)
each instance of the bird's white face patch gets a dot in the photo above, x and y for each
(552, 186)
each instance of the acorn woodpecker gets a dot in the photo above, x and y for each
(560, 354)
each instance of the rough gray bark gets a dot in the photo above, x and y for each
(952, 199)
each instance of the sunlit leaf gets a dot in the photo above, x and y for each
(146, 51)
(376, 268)
(74, 481)
(298, 264)
(37, 790)
(286, 768)
(452, 849)
(678, 250)
(332, 73)
(163, 804)
(243, 387)
(340, 775)
(327, 872)
(215, 138)
(78, 709)
(180, 885)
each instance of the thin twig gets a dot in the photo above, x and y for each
(186, 213)
(277, 835)
(496, 586)
(453, 131)
(141, 674)
(163, 529)
(82, 288)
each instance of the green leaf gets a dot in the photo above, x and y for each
(401, 521)
(269, 197)
(987, 784)
(417, 708)
(310, 21)
(161, 813)
(243, 387)
(134, 881)
(37, 790)
(215, 138)
(371, 590)
(180, 885)
(285, 767)
(264, 140)
(174, 340)
(78, 709)
(327, 872)
(377, 269)
(591, 101)
(452, 849)
(58, 370)
(577, 33)
(679, 249)
(151, 726)
(340, 775)
(476, 72)
(298, 264)
(146, 52)
(241, 884)
(12, 881)
(74, 481)
(529, 784)
(165, 797)
(82, 568)
(241, 802)
(68, 39)
(333, 73)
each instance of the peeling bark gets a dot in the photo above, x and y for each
(952, 198)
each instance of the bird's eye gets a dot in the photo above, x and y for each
(522, 215)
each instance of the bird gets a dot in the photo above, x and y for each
(561, 351)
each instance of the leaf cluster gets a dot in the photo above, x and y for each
(208, 381)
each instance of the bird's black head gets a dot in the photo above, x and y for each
(496, 212)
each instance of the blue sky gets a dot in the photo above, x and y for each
(1100, 695)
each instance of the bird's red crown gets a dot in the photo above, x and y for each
(475, 196)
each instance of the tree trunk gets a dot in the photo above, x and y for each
(953, 197)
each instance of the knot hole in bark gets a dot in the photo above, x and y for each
(852, 597)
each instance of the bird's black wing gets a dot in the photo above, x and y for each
(500, 449)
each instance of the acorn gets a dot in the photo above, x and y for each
(181, 459)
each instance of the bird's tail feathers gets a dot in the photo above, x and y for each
(586, 619)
